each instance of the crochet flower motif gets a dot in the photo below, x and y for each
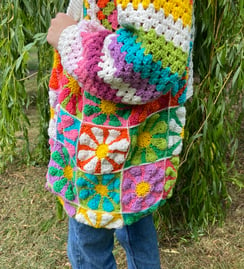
(61, 173)
(107, 14)
(57, 71)
(176, 127)
(140, 113)
(99, 192)
(53, 100)
(105, 112)
(70, 98)
(142, 187)
(102, 3)
(71, 210)
(99, 219)
(148, 141)
(68, 131)
(102, 150)
(51, 143)
(170, 176)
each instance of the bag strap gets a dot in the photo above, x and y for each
(75, 9)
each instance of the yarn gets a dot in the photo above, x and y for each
(54, 82)
(143, 50)
(118, 86)
(102, 150)
(61, 173)
(142, 187)
(99, 192)
(70, 97)
(105, 112)
(148, 141)
(67, 131)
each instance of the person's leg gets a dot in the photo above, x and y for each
(140, 243)
(90, 248)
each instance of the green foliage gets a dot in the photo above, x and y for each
(13, 96)
(214, 117)
(214, 113)
(23, 26)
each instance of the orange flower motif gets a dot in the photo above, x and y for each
(102, 150)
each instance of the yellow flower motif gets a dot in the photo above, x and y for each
(102, 189)
(99, 219)
(73, 86)
(68, 172)
(102, 151)
(144, 139)
(142, 189)
(108, 107)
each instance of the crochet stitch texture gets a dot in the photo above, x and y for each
(119, 82)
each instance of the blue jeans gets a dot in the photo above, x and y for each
(90, 248)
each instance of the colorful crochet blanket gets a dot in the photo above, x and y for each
(118, 86)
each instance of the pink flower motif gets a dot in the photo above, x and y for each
(70, 97)
(68, 132)
(142, 187)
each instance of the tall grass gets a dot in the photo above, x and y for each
(214, 112)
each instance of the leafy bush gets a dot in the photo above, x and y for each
(214, 117)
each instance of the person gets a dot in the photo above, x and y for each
(122, 72)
